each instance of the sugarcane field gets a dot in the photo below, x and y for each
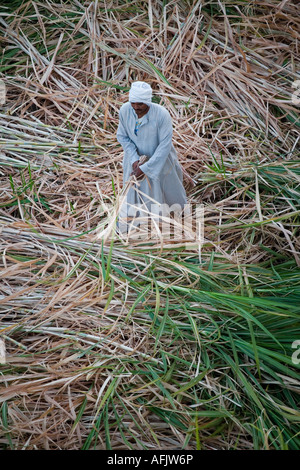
(150, 226)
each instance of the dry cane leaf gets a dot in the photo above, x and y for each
(2, 352)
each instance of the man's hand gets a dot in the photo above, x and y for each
(135, 165)
(136, 170)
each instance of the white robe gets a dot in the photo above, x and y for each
(154, 139)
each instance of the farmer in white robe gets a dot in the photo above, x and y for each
(145, 129)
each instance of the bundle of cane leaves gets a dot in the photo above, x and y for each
(148, 345)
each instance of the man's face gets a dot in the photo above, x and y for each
(140, 108)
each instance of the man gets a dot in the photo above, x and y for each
(145, 129)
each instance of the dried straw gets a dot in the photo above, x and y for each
(135, 345)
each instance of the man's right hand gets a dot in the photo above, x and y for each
(135, 165)
(136, 170)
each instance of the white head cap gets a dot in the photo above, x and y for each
(140, 92)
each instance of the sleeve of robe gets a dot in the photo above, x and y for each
(128, 145)
(153, 167)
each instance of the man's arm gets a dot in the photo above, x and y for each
(154, 165)
(129, 147)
